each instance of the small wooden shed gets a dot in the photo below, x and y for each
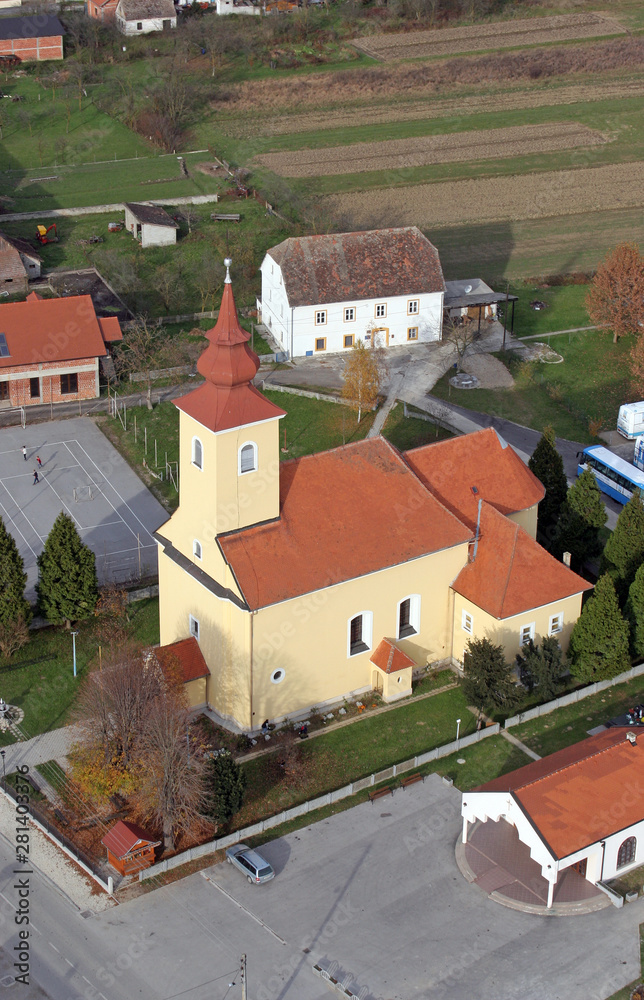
(129, 848)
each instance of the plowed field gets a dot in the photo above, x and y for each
(419, 110)
(489, 144)
(495, 199)
(501, 35)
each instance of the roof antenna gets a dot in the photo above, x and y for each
(478, 524)
(227, 263)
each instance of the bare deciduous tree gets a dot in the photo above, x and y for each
(462, 335)
(144, 349)
(361, 378)
(13, 636)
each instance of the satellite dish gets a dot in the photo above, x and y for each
(468, 289)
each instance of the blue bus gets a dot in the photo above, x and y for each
(615, 477)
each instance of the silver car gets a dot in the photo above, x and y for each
(250, 862)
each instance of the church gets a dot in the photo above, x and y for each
(294, 584)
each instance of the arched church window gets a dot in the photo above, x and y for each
(626, 853)
(197, 453)
(248, 458)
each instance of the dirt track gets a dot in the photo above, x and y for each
(529, 196)
(419, 110)
(396, 154)
(500, 35)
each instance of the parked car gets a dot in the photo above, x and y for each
(250, 862)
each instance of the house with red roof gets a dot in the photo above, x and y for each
(347, 571)
(322, 294)
(578, 810)
(50, 349)
(129, 848)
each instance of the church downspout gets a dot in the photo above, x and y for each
(251, 651)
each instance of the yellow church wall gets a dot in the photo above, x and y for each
(216, 498)
(307, 638)
(506, 632)
(526, 519)
(224, 638)
(196, 692)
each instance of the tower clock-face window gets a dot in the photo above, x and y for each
(248, 458)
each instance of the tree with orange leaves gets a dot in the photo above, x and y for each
(615, 300)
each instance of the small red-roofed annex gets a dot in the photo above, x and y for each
(353, 570)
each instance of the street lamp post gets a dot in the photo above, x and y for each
(458, 728)
(4, 772)
(74, 634)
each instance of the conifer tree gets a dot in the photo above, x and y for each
(599, 642)
(67, 587)
(547, 465)
(13, 579)
(624, 552)
(541, 667)
(634, 614)
(582, 516)
(487, 679)
(228, 785)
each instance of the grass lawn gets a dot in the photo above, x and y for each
(570, 724)
(39, 678)
(351, 752)
(565, 310)
(411, 432)
(589, 385)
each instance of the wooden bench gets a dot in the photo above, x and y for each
(379, 793)
(231, 217)
(411, 779)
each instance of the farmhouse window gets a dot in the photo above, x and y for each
(556, 624)
(412, 307)
(349, 314)
(68, 383)
(526, 633)
(34, 388)
(320, 343)
(320, 317)
(626, 853)
(467, 623)
(348, 340)
(412, 333)
(381, 310)
(139, 25)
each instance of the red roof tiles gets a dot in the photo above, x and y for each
(347, 267)
(187, 655)
(389, 658)
(40, 330)
(344, 513)
(124, 837)
(227, 399)
(481, 461)
(582, 794)
(512, 573)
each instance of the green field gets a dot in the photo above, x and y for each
(588, 386)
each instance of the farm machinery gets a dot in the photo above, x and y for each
(45, 235)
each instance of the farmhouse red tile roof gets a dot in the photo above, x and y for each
(110, 328)
(344, 513)
(347, 267)
(389, 658)
(227, 399)
(583, 793)
(187, 655)
(40, 330)
(124, 837)
(511, 573)
(480, 462)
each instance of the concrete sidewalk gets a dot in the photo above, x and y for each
(47, 746)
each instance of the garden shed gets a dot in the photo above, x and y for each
(129, 848)
(150, 224)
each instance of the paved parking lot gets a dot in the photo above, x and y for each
(373, 893)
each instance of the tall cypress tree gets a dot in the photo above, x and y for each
(547, 465)
(599, 640)
(582, 516)
(624, 552)
(487, 679)
(13, 579)
(67, 588)
(634, 613)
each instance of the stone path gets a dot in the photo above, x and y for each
(517, 743)
(48, 746)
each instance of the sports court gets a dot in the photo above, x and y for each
(82, 474)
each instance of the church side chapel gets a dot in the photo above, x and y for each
(306, 581)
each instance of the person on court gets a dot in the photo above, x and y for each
(39, 461)
(24, 453)
(36, 477)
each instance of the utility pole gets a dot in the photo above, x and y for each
(505, 311)
(243, 977)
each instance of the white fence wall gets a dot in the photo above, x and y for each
(323, 800)
(573, 696)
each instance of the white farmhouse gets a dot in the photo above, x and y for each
(325, 293)
(140, 17)
(150, 224)
(578, 809)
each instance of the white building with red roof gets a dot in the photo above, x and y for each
(50, 349)
(579, 809)
(338, 573)
(323, 294)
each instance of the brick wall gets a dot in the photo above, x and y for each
(50, 47)
(50, 384)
